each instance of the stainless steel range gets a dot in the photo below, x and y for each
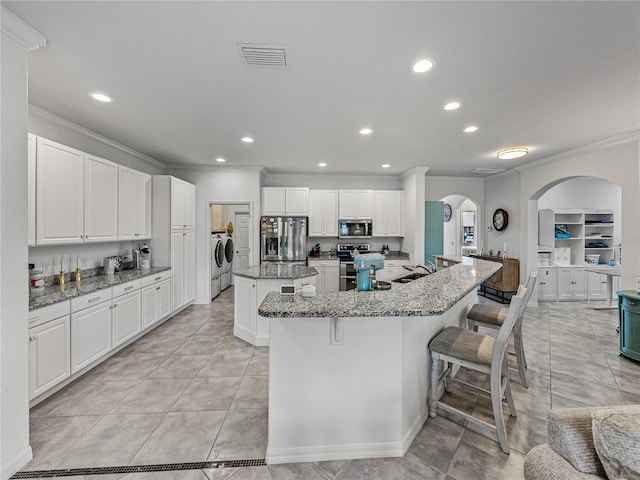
(346, 252)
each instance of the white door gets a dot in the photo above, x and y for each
(241, 236)
(126, 320)
(49, 355)
(90, 335)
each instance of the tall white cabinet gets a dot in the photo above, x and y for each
(134, 204)
(388, 213)
(174, 236)
(323, 213)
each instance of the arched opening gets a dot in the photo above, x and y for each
(461, 233)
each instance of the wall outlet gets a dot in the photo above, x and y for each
(46, 269)
(489, 228)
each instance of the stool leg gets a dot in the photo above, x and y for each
(433, 399)
(496, 403)
(517, 337)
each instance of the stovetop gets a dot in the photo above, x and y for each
(346, 251)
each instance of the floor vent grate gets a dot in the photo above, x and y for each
(161, 467)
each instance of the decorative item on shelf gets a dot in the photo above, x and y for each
(498, 253)
(500, 219)
(230, 228)
(562, 231)
(491, 252)
(447, 212)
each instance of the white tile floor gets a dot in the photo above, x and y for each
(191, 392)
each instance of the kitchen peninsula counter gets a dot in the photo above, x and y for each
(275, 272)
(349, 371)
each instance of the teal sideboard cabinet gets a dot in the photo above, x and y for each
(629, 314)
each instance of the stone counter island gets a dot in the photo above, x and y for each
(349, 371)
(251, 286)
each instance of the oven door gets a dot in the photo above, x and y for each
(347, 276)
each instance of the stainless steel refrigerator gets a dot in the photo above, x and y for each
(283, 239)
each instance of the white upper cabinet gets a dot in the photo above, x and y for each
(59, 193)
(297, 201)
(388, 213)
(356, 204)
(323, 213)
(134, 200)
(285, 201)
(183, 204)
(273, 201)
(31, 176)
(100, 200)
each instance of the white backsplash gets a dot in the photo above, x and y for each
(375, 244)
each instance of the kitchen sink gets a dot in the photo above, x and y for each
(410, 278)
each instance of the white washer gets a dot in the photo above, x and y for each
(217, 261)
(225, 277)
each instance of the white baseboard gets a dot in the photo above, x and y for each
(243, 335)
(414, 430)
(17, 463)
(333, 452)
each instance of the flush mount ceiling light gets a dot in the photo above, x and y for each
(101, 97)
(470, 129)
(322, 164)
(366, 131)
(512, 152)
(220, 160)
(452, 106)
(386, 165)
(247, 139)
(422, 66)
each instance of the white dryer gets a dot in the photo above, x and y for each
(217, 262)
(225, 279)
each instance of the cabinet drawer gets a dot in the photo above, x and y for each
(128, 287)
(90, 299)
(631, 305)
(158, 277)
(48, 313)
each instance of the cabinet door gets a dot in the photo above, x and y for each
(332, 278)
(365, 204)
(273, 201)
(330, 213)
(177, 204)
(547, 285)
(143, 206)
(348, 204)
(395, 217)
(297, 201)
(177, 269)
(189, 266)
(380, 214)
(49, 355)
(245, 310)
(31, 200)
(127, 203)
(126, 317)
(597, 285)
(316, 213)
(320, 279)
(579, 283)
(60, 193)
(565, 284)
(90, 335)
(163, 299)
(149, 305)
(189, 205)
(100, 200)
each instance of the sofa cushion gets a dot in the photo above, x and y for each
(542, 463)
(569, 435)
(616, 438)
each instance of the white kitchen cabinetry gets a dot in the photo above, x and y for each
(90, 330)
(134, 204)
(126, 312)
(292, 201)
(598, 234)
(49, 347)
(173, 245)
(100, 199)
(323, 213)
(218, 218)
(328, 279)
(547, 284)
(596, 286)
(31, 177)
(59, 193)
(156, 302)
(572, 284)
(356, 203)
(392, 269)
(388, 213)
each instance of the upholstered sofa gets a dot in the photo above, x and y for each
(588, 443)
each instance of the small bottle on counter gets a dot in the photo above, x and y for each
(36, 279)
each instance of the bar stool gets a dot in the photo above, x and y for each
(483, 353)
(493, 316)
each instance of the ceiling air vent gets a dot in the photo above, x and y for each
(483, 172)
(263, 56)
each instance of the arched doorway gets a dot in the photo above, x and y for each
(461, 235)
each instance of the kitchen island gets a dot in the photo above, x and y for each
(349, 371)
(252, 284)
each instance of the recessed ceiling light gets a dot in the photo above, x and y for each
(322, 164)
(386, 165)
(422, 66)
(366, 131)
(512, 152)
(452, 106)
(220, 160)
(101, 97)
(247, 139)
(470, 129)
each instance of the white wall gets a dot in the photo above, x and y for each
(413, 184)
(15, 451)
(502, 191)
(220, 184)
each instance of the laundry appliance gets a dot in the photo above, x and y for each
(217, 261)
(225, 278)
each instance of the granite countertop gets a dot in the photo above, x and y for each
(276, 272)
(430, 295)
(52, 294)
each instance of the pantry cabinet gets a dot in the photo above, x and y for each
(183, 261)
(183, 204)
(388, 213)
(134, 204)
(323, 213)
(49, 354)
(356, 203)
(100, 200)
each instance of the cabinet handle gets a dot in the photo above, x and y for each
(32, 338)
(157, 288)
(128, 288)
(93, 299)
(632, 303)
(158, 278)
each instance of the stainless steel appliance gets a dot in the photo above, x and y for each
(352, 228)
(283, 239)
(348, 273)
(142, 257)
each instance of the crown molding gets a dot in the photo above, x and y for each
(21, 32)
(228, 168)
(57, 121)
(620, 138)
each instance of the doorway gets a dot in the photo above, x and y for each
(460, 233)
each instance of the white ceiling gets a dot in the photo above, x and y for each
(550, 75)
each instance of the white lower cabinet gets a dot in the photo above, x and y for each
(245, 308)
(547, 284)
(597, 286)
(49, 355)
(572, 283)
(126, 317)
(392, 269)
(156, 302)
(90, 334)
(328, 279)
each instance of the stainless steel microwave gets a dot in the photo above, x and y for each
(355, 228)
